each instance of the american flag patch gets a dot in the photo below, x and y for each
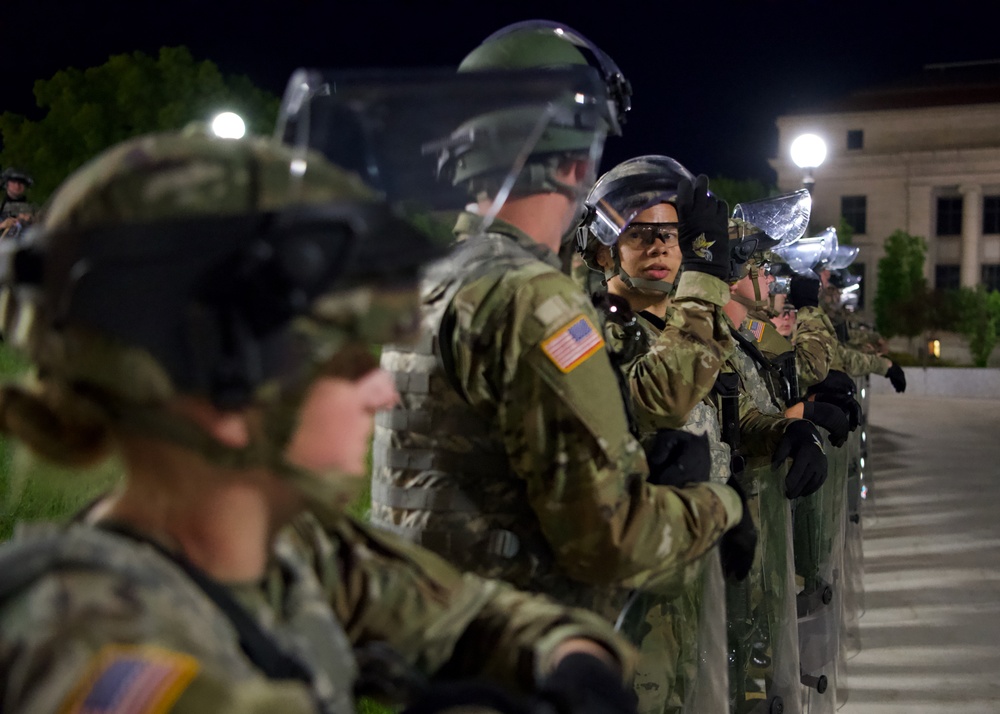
(573, 344)
(756, 327)
(132, 680)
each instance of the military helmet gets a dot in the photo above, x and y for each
(13, 174)
(757, 228)
(575, 125)
(534, 44)
(617, 198)
(184, 264)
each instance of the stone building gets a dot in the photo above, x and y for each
(922, 155)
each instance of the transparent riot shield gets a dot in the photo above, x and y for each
(853, 552)
(681, 641)
(819, 556)
(762, 637)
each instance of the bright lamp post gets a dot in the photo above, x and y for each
(228, 125)
(808, 151)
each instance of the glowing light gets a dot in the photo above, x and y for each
(808, 151)
(862, 393)
(934, 348)
(580, 98)
(862, 462)
(228, 125)
(297, 167)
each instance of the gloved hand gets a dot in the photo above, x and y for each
(830, 417)
(848, 404)
(837, 382)
(582, 684)
(807, 471)
(737, 546)
(804, 292)
(677, 458)
(896, 376)
(703, 230)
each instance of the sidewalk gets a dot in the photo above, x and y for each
(930, 634)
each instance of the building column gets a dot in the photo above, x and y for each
(919, 204)
(972, 229)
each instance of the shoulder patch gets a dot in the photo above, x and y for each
(553, 309)
(572, 344)
(132, 679)
(756, 328)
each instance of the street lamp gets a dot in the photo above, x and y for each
(228, 125)
(808, 152)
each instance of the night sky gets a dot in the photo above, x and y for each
(709, 79)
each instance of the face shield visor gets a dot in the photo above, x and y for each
(618, 90)
(843, 257)
(433, 142)
(808, 254)
(626, 191)
(782, 218)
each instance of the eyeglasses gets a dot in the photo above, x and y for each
(643, 235)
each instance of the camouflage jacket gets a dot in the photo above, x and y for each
(858, 363)
(762, 419)
(510, 453)
(91, 620)
(813, 343)
(680, 359)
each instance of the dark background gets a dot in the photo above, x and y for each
(709, 78)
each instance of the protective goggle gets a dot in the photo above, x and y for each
(644, 235)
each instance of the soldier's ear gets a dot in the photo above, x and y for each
(603, 257)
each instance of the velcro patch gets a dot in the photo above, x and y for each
(126, 679)
(572, 344)
(756, 328)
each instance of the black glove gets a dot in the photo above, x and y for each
(737, 546)
(848, 404)
(804, 292)
(443, 696)
(830, 417)
(582, 684)
(837, 382)
(896, 376)
(807, 471)
(703, 230)
(677, 458)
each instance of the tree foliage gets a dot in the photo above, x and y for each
(845, 232)
(89, 110)
(979, 321)
(901, 286)
(740, 190)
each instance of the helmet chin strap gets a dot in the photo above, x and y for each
(759, 302)
(662, 286)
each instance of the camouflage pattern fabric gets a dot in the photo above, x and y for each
(763, 638)
(814, 341)
(102, 606)
(857, 363)
(679, 368)
(510, 453)
(668, 368)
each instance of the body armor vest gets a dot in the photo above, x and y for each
(230, 636)
(440, 473)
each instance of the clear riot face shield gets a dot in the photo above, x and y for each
(782, 218)
(807, 254)
(435, 142)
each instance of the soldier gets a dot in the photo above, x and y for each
(669, 352)
(510, 453)
(15, 209)
(223, 575)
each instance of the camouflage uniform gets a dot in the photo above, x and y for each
(761, 609)
(858, 363)
(813, 341)
(668, 365)
(510, 453)
(678, 367)
(86, 614)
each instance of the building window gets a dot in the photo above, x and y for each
(949, 216)
(991, 214)
(991, 276)
(947, 276)
(854, 209)
(855, 139)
